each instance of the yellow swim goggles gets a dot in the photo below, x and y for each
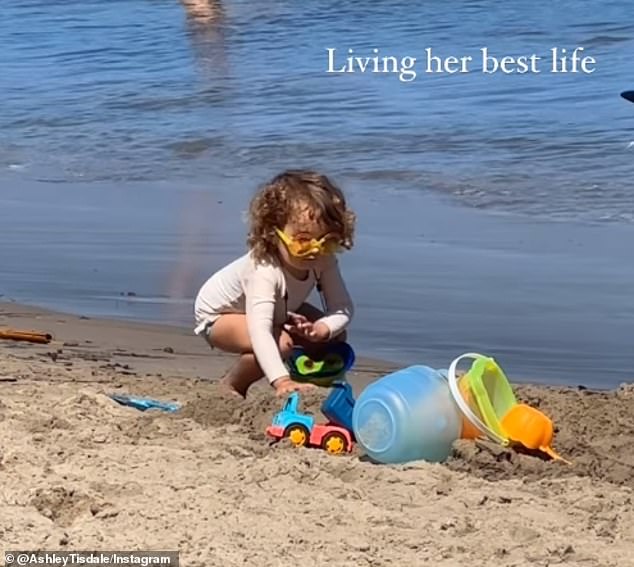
(303, 247)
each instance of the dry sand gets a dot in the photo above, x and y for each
(78, 471)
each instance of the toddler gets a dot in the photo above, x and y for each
(256, 305)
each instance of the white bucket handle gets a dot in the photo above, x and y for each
(463, 405)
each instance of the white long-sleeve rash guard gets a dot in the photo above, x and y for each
(266, 293)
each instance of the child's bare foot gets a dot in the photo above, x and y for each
(240, 377)
(226, 387)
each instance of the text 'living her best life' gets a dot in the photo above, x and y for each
(558, 60)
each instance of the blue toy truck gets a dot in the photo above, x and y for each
(302, 430)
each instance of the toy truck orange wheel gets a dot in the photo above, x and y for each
(298, 434)
(334, 443)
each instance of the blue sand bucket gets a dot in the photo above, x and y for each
(407, 415)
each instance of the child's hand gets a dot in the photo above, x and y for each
(298, 323)
(302, 327)
(318, 333)
(285, 385)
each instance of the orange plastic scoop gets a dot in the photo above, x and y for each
(526, 425)
(469, 431)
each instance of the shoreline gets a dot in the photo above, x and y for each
(192, 350)
(156, 346)
(549, 300)
(81, 472)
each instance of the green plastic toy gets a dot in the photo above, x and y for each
(330, 367)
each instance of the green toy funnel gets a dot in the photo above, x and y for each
(490, 393)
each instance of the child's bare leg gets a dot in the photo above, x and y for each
(242, 374)
(230, 334)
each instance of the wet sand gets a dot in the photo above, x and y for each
(551, 301)
(78, 471)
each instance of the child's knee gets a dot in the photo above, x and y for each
(341, 337)
(285, 344)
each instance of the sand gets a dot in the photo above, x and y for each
(78, 471)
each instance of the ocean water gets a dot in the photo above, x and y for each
(495, 210)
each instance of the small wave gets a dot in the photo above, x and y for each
(195, 147)
(130, 297)
(604, 40)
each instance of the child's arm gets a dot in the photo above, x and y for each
(261, 293)
(340, 308)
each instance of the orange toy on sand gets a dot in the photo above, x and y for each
(531, 428)
(28, 336)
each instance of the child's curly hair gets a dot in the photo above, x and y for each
(274, 203)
